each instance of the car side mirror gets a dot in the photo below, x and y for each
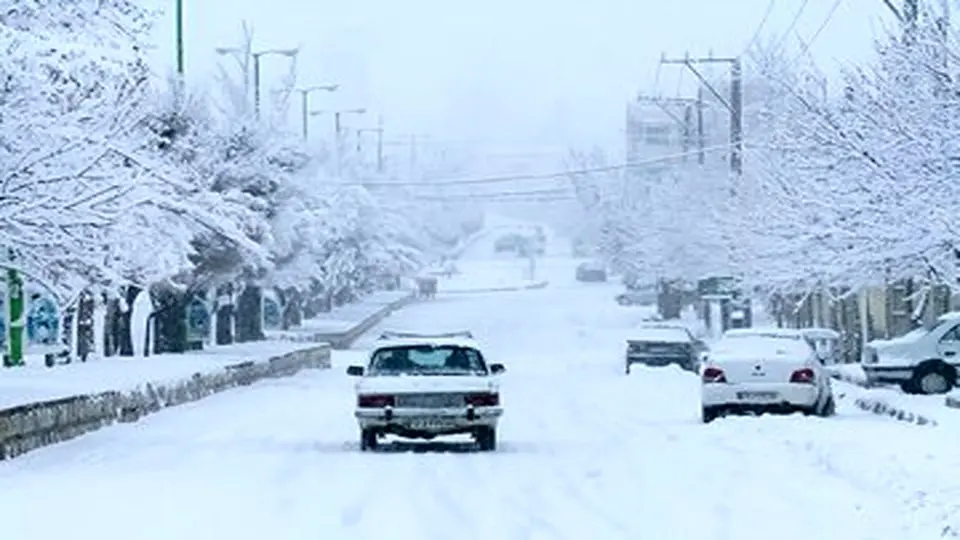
(497, 369)
(355, 371)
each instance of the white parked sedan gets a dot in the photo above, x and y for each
(758, 374)
(423, 386)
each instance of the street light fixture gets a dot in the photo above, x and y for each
(304, 93)
(290, 53)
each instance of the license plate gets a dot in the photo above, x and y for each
(430, 401)
(758, 395)
(432, 423)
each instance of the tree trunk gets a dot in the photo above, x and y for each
(123, 334)
(292, 308)
(225, 312)
(85, 334)
(170, 321)
(250, 314)
(110, 323)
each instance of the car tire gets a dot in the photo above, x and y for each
(486, 438)
(368, 440)
(709, 414)
(626, 369)
(932, 377)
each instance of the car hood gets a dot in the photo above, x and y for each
(422, 383)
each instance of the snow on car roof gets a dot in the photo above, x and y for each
(776, 333)
(445, 341)
(662, 334)
(760, 347)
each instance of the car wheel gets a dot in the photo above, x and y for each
(368, 440)
(933, 377)
(486, 438)
(709, 414)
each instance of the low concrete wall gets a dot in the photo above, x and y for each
(346, 339)
(31, 426)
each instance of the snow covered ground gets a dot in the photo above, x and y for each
(586, 453)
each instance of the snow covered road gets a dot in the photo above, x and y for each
(586, 453)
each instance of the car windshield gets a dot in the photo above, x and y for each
(427, 360)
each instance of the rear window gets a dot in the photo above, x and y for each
(427, 360)
(766, 347)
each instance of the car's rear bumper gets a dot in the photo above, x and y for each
(428, 422)
(781, 395)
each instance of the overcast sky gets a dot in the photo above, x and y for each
(510, 73)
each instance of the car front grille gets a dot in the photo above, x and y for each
(433, 400)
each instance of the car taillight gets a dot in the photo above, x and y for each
(485, 399)
(714, 375)
(803, 376)
(375, 400)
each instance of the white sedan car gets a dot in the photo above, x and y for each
(758, 374)
(423, 386)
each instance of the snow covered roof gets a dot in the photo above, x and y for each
(661, 334)
(759, 347)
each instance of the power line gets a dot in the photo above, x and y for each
(826, 21)
(540, 176)
(763, 21)
(793, 24)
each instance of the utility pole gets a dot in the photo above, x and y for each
(179, 30)
(701, 138)
(734, 104)
(686, 121)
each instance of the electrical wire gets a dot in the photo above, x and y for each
(793, 24)
(806, 46)
(540, 176)
(763, 21)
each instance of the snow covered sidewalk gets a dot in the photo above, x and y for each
(35, 382)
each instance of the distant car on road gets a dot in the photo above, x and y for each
(758, 374)
(592, 272)
(662, 345)
(422, 386)
(637, 297)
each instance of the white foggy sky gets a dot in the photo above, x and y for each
(521, 73)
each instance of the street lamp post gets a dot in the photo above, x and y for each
(304, 93)
(256, 72)
(338, 131)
